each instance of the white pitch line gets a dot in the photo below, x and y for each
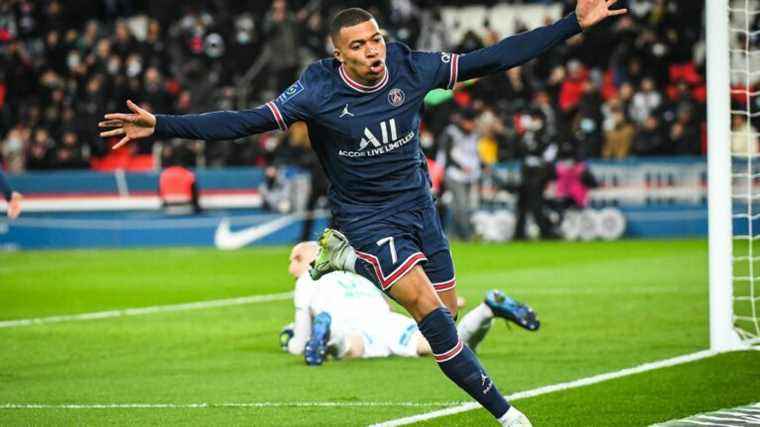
(223, 405)
(731, 415)
(253, 299)
(700, 423)
(553, 388)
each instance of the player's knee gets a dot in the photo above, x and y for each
(421, 304)
(415, 293)
(450, 300)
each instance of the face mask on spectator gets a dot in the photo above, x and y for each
(214, 45)
(114, 65)
(134, 68)
(588, 125)
(243, 37)
(73, 60)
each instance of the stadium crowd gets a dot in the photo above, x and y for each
(61, 69)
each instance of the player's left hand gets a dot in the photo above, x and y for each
(590, 12)
(14, 206)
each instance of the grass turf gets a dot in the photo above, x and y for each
(603, 306)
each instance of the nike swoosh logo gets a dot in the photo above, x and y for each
(226, 239)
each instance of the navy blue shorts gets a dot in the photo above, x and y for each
(389, 247)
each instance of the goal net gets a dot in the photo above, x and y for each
(733, 58)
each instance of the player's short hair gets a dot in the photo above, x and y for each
(348, 18)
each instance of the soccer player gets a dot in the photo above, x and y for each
(13, 198)
(347, 314)
(362, 108)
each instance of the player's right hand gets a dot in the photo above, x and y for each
(139, 124)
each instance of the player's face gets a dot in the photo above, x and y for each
(300, 257)
(361, 49)
(296, 266)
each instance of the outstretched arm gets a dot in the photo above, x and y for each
(517, 50)
(301, 331)
(208, 126)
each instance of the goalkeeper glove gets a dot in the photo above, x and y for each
(285, 336)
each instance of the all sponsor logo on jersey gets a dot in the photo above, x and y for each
(445, 58)
(371, 146)
(396, 97)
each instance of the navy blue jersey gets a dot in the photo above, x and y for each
(367, 138)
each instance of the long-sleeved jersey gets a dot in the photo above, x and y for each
(367, 137)
(350, 299)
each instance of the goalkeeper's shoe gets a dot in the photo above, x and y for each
(509, 309)
(316, 348)
(335, 254)
(514, 418)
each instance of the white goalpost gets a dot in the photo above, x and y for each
(733, 68)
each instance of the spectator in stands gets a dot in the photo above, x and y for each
(618, 136)
(59, 58)
(435, 33)
(509, 91)
(684, 133)
(70, 154)
(592, 119)
(280, 28)
(649, 140)
(542, 102)
(743, 137)
(315, 37)
(573, 86)
(13, 148)
(586, 132)
(40, 155)
(461, 160)
(645, 102)
(538, 153)
(625, 96)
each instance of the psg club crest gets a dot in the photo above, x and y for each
(396, 97)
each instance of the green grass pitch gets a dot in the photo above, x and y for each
(603, 306)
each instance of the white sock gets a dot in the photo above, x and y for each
(513, 417)
(475, 325)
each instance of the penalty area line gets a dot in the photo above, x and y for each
(200, 305)
(326, 404)
(469, 406)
